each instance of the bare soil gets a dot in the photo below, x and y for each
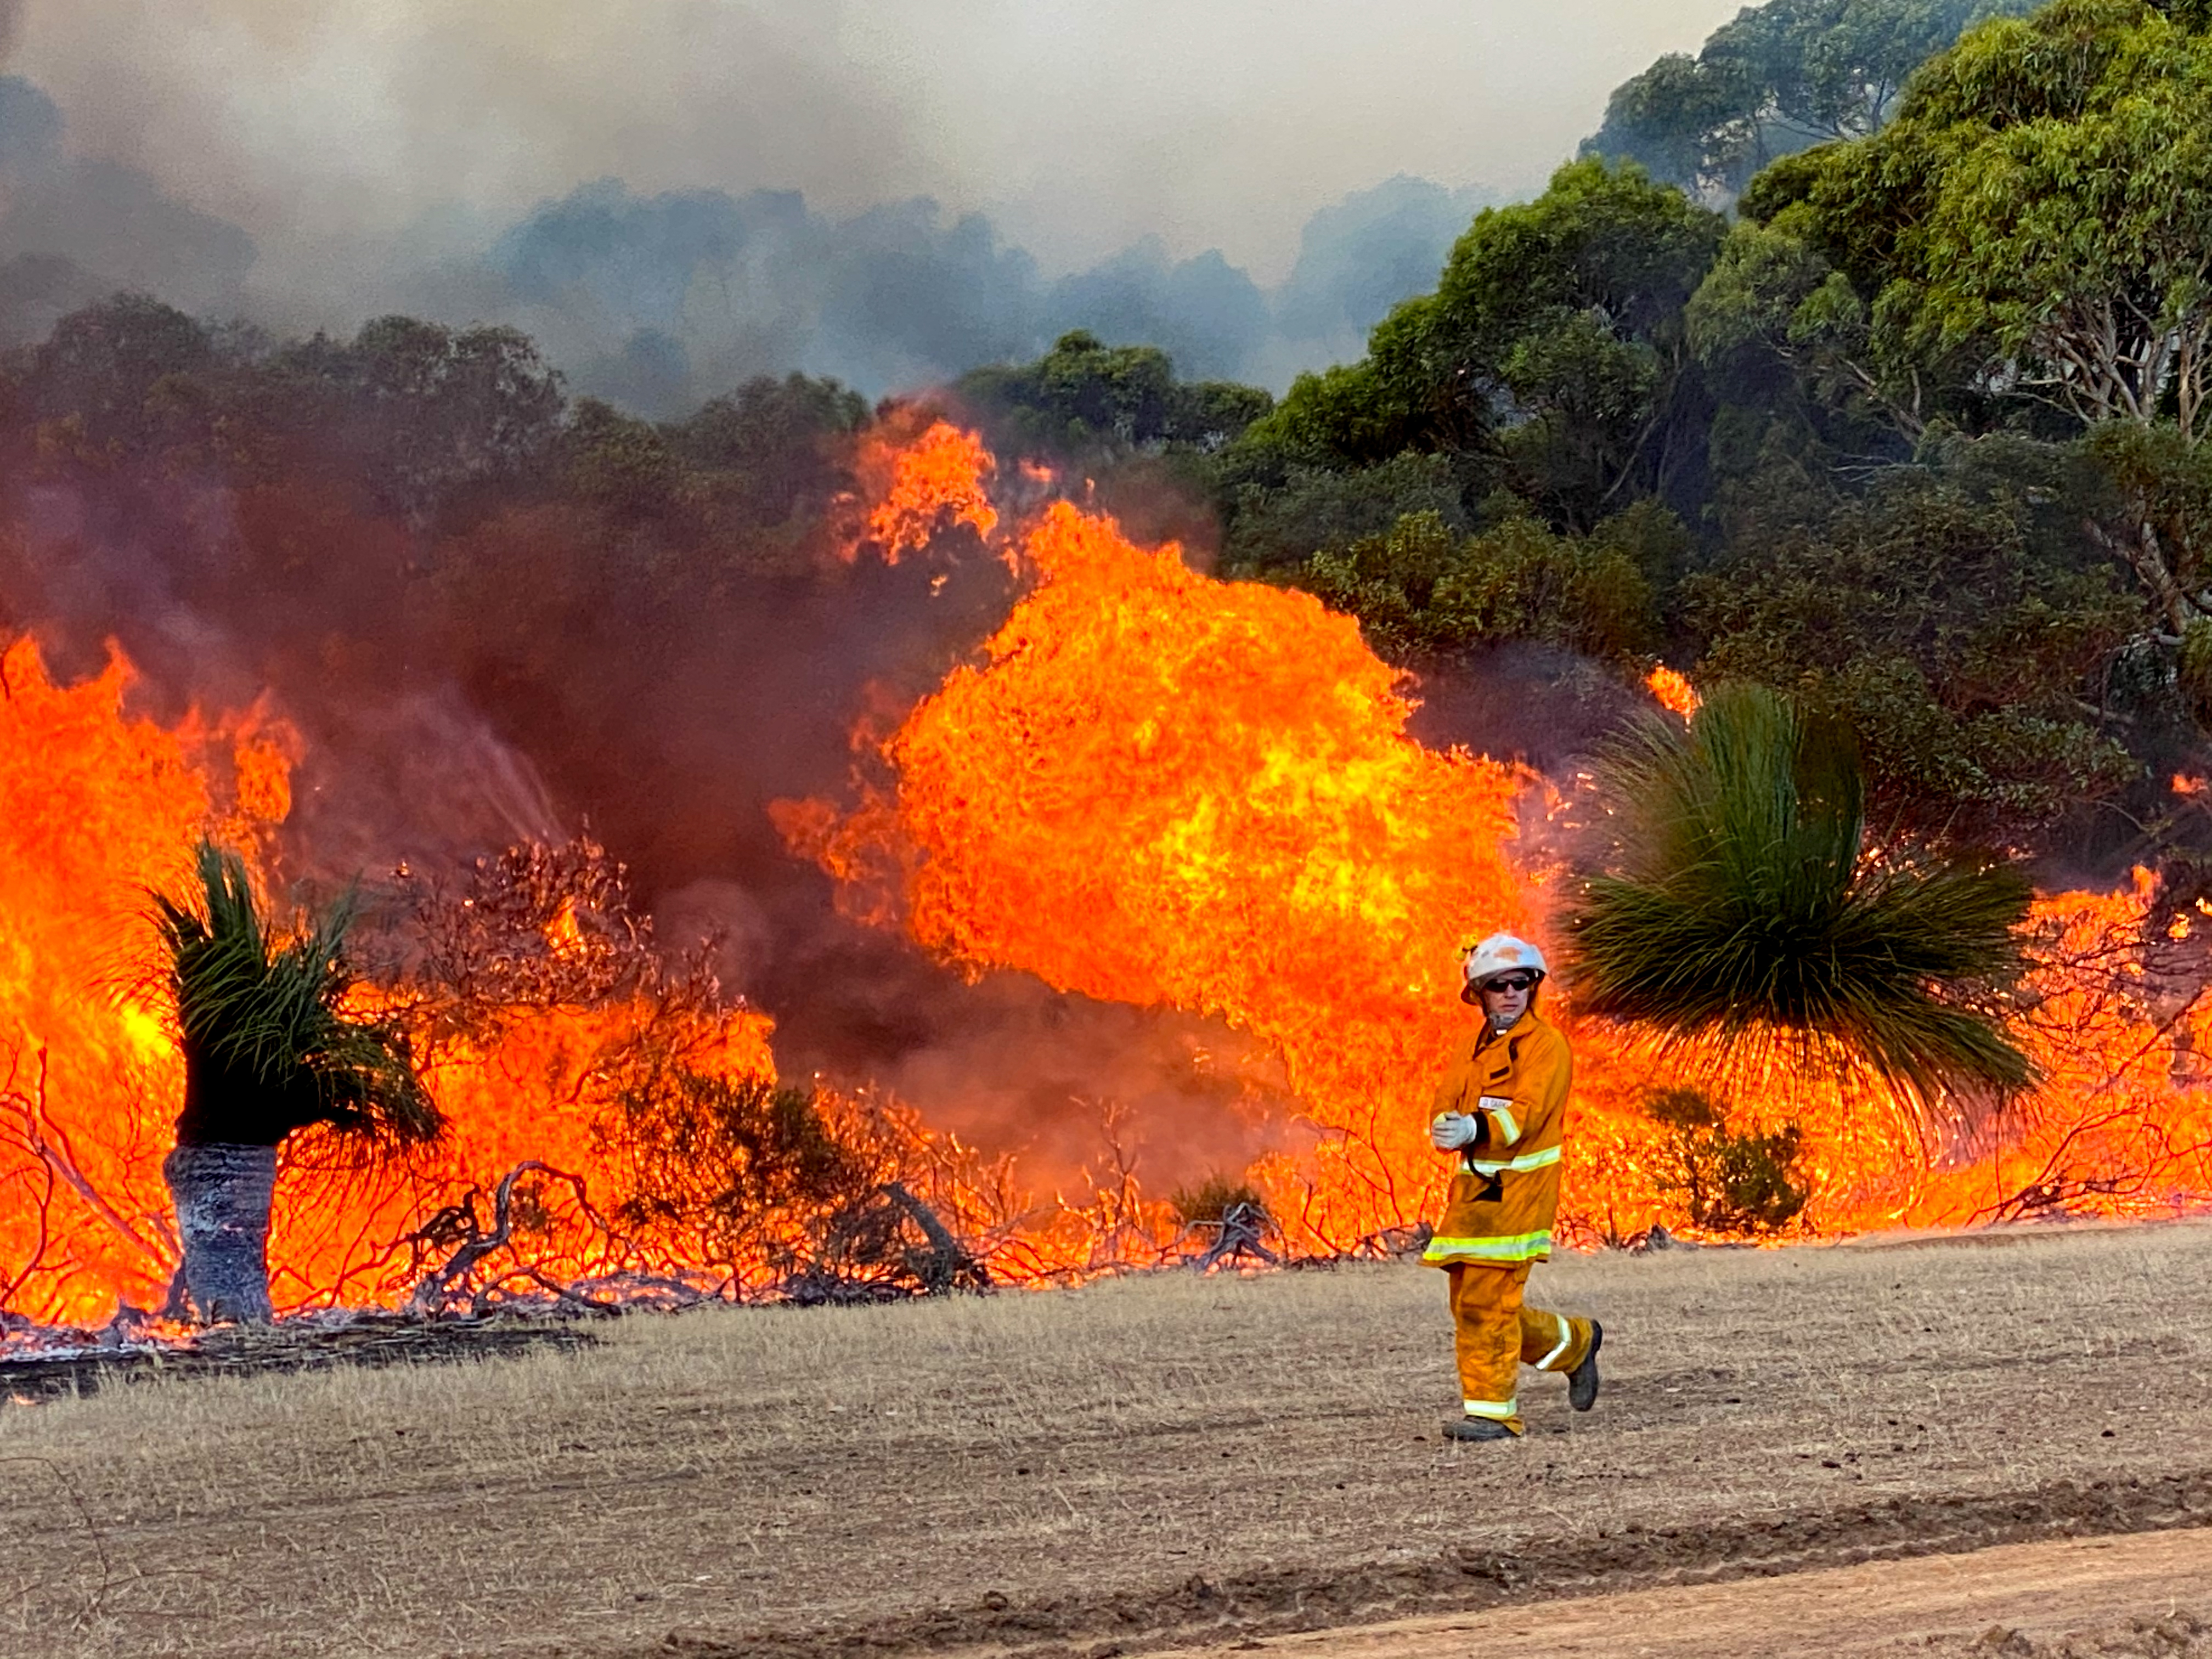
(2125, 1595)
(1179, 1462)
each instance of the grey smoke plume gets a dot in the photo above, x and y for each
(74, 229)
(1357, 259)
(1082, 125)
(356, 147)
(657, 302)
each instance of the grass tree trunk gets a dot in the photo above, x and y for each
(223, 1191)
(222, 1179)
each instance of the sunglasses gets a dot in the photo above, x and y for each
(1510, 982)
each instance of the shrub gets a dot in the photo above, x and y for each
(1735, 1182)
(1747, 911)
(724, 1160)
(1214, 1199)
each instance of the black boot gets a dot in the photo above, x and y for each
(1477, 1428)
(1582, 1381)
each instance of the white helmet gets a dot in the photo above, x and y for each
(1501, 953)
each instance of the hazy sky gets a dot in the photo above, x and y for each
(1079, 124)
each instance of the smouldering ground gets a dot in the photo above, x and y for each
(1134, 1465)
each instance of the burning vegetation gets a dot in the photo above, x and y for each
(1151, 788)
(1030, 832)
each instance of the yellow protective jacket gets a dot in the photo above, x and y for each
(1507, 1189)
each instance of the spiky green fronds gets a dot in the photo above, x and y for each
(1744, 907)
(262, 1023)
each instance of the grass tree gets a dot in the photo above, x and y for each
(268, 1049)
(1746, 911)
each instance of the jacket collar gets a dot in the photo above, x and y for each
(1529, 1023)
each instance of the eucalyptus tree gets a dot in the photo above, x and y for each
(1550, 357)
(1775, 79)
(2044, 199)
(2030, 242)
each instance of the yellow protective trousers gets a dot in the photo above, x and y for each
(1497, 1334)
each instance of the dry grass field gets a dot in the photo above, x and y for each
(1178, 1461)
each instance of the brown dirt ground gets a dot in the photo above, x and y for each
(2125, 1595)
(1179, 1462)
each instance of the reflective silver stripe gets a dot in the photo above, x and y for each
(1566, 1341)
(1549, 1156)
(1497, 1409)
(1501, 1109)
(1518, 1247)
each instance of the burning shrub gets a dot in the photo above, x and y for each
(649, 1082)
(1214, 1199)
(1735, 1182)
(540, 925)
(727, 1163)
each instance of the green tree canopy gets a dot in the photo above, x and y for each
(1420, 589)
(1277, 527)
(1084, 394)
(2042, 203)
(111, 368)
(1553, 345)
(1779, 77)
(1964, 639)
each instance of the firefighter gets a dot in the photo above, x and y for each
(1501, 1108)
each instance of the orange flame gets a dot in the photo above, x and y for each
(564, 934)
(1675, 693)
(97, 807)
(1152, 786)
(1166, 789)
(934, 482)
(1169, 790)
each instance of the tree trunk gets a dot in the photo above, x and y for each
(223, 1193)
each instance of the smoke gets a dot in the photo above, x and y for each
(1081, 127)
(1361, 256)
(658, 303)
(422, 779)
(73, 228)
(891, 195)
(1546, 709)
(922, 188)
(312, 127)
(1075, 1088)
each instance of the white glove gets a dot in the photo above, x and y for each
(1451, 1131)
